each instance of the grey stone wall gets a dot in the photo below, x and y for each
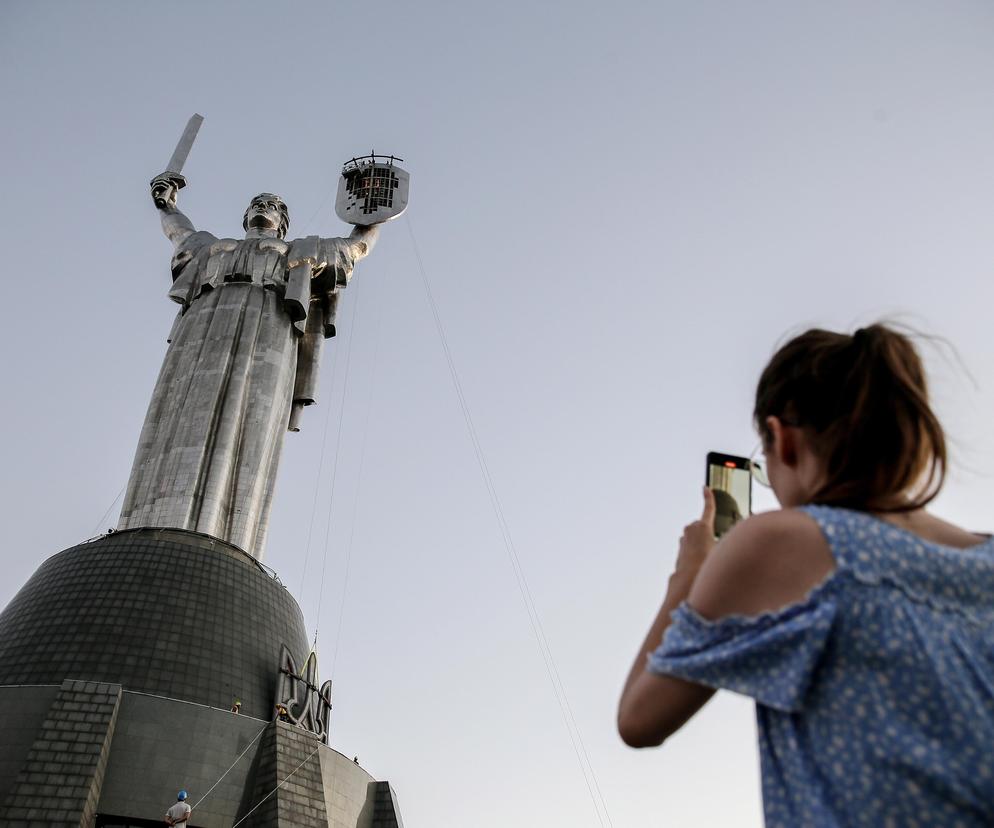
(386, 813)
(159, 611)
(61, 779)
(349, 791)
(22, 712)
(162, 746)
(288, 781)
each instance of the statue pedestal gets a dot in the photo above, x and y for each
(119, 661)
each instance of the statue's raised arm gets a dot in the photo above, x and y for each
(167, 185)
(365, 237)
(175, 224)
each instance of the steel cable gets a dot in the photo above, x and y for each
(240, 755)
(355, 503)
(334, 469)
(274, 790)
(586, 768)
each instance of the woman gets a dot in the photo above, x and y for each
(862, 625)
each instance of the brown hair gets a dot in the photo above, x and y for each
(864, 399)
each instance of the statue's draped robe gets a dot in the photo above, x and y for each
(242, 361)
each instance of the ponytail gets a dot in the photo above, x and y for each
(865, 399)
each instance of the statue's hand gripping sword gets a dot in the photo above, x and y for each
(165, 185)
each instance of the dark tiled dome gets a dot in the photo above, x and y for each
(160, 611)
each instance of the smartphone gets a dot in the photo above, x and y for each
(729, 477)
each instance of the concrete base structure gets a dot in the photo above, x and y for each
(119, 660)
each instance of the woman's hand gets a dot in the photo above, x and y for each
(695, 545)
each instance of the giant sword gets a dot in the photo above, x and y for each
(174, 167)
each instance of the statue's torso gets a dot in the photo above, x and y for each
(260, 261)
(205, 262)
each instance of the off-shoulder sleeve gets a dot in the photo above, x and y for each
(770, 657)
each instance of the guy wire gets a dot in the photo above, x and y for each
(327, 421)
(538, 631)
(338, 452)
(358, 487)
(317, 485)
(109, 508)
(332, 188)
(240, 755)
(274, 790)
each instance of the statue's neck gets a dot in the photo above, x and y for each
(261, 233)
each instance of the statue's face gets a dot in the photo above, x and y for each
(263, 213)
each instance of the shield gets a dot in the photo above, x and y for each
(372, 189)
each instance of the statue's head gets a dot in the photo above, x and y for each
(267, 211)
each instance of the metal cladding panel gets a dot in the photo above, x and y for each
(159, 611)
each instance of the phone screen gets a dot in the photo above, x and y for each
(730, 480)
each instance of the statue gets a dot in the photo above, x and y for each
(241, 364)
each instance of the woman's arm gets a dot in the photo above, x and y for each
(764, 564)
(652, 707)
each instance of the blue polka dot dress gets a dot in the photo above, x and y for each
(874, 695)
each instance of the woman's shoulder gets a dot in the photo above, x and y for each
(776, 559)
(765, 563)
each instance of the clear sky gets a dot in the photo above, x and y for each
(621, 208)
